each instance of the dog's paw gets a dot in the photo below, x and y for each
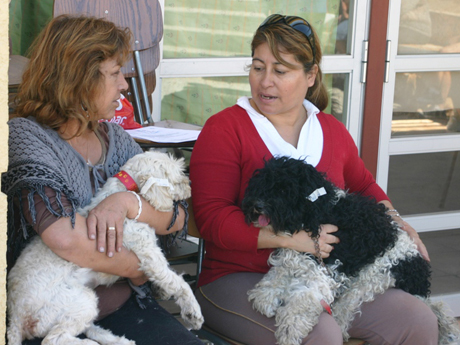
(105, 337)
(191, 314)
(82, 342)
(120, 341)
(265, 301)
(289, 335)
(267, 309)
(193, 321)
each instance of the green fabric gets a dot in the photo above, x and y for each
(194, 100)
(27, 19)
(224, 28)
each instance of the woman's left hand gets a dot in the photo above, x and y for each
(416, 238)
(105, 223)
(414, 235)
(407, 228)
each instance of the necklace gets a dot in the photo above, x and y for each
(88, 162)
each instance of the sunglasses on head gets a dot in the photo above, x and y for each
(297, 23)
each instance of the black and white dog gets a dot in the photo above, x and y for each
(373, 254)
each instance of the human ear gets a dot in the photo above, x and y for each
(311, 75)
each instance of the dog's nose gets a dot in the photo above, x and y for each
(259, 205)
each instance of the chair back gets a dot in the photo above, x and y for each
(192, 227)
(194, 232)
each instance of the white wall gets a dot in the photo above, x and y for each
(3, 155)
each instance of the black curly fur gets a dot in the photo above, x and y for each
(279, 191)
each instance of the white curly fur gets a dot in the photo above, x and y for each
(295, 284)
(53, 298)
(292, 290)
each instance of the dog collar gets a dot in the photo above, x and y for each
(127, 181)
(326, 307)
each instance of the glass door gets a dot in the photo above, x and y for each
(420, 134)
(418, 164)
(206, 52)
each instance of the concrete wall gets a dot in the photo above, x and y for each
(3, 155)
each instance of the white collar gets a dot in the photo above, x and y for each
(310, 145)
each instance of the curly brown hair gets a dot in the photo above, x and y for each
(62, 79)
(282, 38)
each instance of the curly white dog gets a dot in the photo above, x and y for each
(52, 298)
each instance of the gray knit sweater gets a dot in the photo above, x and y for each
(39, 157)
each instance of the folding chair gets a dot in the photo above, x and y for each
(145, 20)
(205, 332)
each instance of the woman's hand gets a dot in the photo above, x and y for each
(72, 244)
(414, 235)
(303, 242)
(105, 221)
(407, 228)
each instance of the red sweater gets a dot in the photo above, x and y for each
(227, 152)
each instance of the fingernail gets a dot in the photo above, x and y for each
(101, 249)
(110, 254)
(92, 237)
(119, 249)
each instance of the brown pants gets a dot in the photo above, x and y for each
(394, 318)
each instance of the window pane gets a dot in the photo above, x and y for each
(338, 95)
(444, 249)
(429, 27)
(425, 183)
(426, 103)
(194, 100)
(224, 28)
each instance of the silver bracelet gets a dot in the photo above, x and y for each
(394, 212)
(140, 204)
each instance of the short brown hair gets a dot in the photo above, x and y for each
(63, 79)
(281, 38)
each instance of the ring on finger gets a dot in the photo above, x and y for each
(111, 228)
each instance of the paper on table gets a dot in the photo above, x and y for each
(164, 135)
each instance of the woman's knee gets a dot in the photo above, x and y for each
(326, 332)
(421, 325)
(417, 319)
(396, 317)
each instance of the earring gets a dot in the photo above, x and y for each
(85, 110)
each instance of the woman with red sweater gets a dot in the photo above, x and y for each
(283, 118)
